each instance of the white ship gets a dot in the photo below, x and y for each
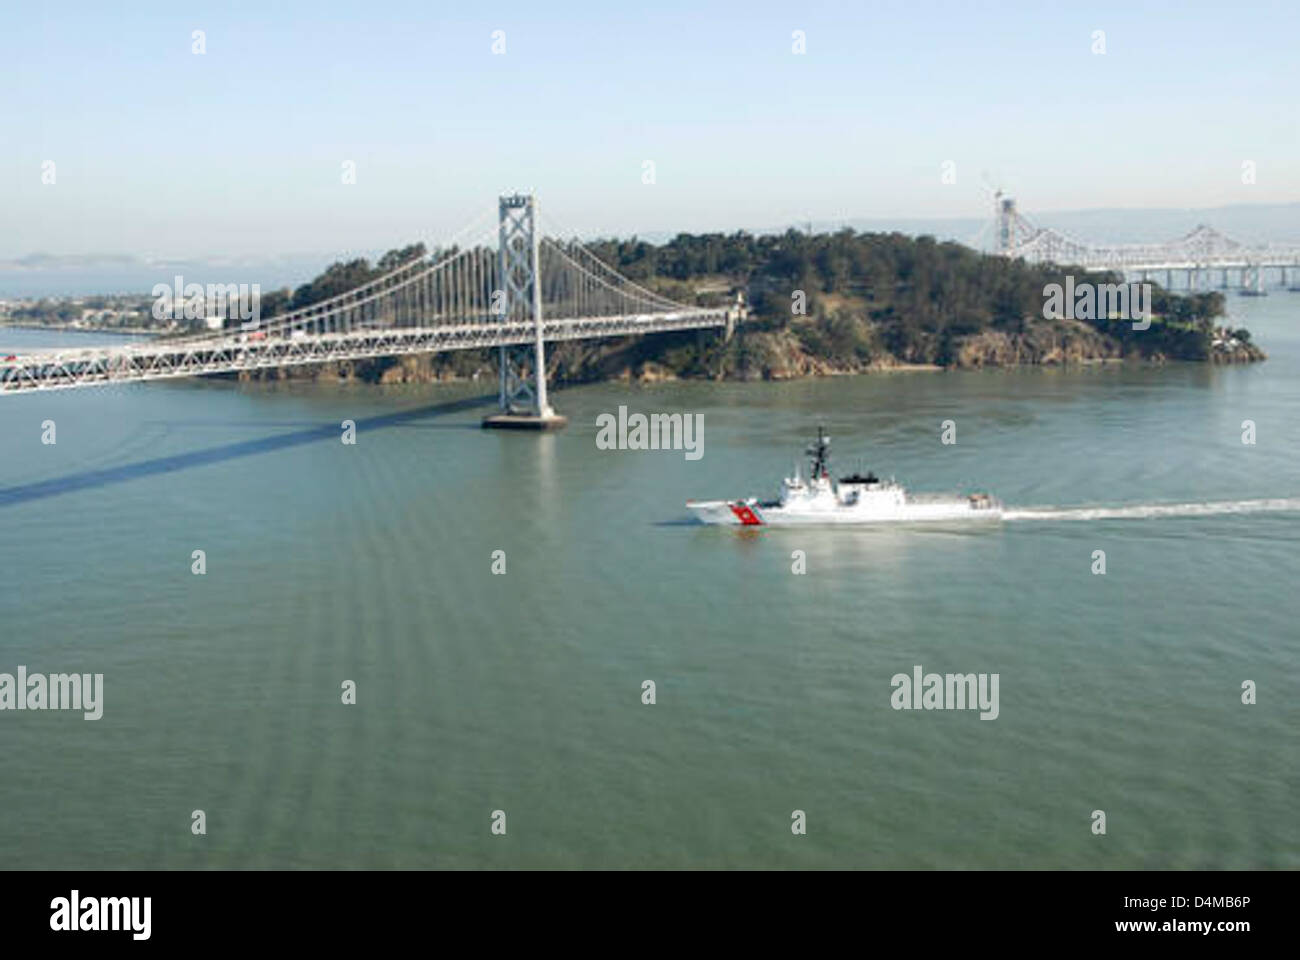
(819, 500)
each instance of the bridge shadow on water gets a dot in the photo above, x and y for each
(91, 479)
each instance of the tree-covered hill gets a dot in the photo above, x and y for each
(835, 302)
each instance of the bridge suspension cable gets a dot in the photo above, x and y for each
(631, 297)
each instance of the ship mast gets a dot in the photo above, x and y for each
(821, 454)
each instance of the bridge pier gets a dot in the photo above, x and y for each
(1252, 279)
(524, 421)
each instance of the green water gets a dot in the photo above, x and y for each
(476, 692)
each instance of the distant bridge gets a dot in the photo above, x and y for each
(1200, 254)
(529, 290)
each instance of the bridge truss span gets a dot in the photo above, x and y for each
(1199, 253)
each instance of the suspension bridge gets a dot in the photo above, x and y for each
(527, 291)
(1198, 255)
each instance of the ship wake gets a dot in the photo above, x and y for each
(1151, 511)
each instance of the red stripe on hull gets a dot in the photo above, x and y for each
(745, 515)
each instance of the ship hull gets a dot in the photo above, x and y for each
(752, 514)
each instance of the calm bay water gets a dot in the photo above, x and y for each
(371, 563)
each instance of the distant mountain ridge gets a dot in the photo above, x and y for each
(1248, 223)
(44, 274)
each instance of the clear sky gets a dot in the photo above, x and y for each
(159, 151)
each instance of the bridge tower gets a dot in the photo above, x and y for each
(524, 405)
(1005, 211)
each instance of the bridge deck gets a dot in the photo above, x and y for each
(61, 369)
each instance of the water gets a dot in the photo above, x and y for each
(371, 563)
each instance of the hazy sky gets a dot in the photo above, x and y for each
(159, 151)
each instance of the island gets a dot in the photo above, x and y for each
(821, 305)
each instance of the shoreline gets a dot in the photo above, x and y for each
(49, 328)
